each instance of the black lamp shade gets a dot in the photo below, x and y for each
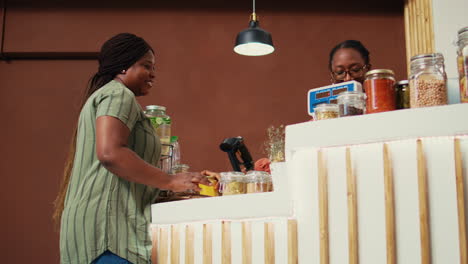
(254, 41)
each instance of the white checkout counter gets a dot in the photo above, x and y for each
(365, 189)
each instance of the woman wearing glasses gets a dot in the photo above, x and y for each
(349, 60)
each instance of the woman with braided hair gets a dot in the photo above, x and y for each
(110, 180)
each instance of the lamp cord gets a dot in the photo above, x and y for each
(253, 6)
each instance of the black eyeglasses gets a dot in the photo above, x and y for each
(354, 72)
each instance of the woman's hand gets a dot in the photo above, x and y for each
(214, 176)
(181, 182)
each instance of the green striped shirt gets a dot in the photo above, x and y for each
(103, 211)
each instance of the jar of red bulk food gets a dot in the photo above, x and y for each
(428, 81)
(380, 90)
(462, 60)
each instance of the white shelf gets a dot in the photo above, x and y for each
(232, 207)
(400, 124)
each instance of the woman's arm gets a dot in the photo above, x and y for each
(112, 151)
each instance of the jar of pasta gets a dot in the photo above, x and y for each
(326, 111)
(462, 59)
(258, 181)
(232, 183)
(428, 80)
(380, 90)
(268, 180)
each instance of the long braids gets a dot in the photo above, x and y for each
(117, 54)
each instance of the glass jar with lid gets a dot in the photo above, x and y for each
(379, 85)
(162, 124)
(179, 168)
(326, 111)
(258, 181)
(462, 59)
(351, 103)
(232, 183)
(402, 95)
(268, 180)
(428, 80)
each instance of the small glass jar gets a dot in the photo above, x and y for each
(232, 183)
(326, 111)
(402, 95)
(380, 90)
(179, 168)
(252, 181)
(428, 80)
(268, 180)
(162, 125)
(462, 59)
(258, 181)
(351, 103)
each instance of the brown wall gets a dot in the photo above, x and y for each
(211, 92)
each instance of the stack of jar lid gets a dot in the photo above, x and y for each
(235, 182)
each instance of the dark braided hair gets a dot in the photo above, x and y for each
(117, 54)
(350, 44)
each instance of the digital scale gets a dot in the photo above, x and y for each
(328, 94)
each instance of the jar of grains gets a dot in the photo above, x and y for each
(258, 181)
(352, 103)
(326, 111)
(268, 179)
(462, 60)
(231, 183)
(428, 80)
(380, 90)
(402, 95)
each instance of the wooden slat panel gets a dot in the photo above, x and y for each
(246, 243)
(163, 250)
(352, 211)
(428, 29)
(292, 242)
(409, 50)
(419, 28)
(175, 245)
(189, 244)
(389, 206)
(269, 243)
(412, 25)
(207, 244)
(323, 209)
(423, 205)
(226, 243)
(154, 242)
(461, 203)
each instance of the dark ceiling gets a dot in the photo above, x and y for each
(365, 6)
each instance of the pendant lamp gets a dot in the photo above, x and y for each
(254, 41)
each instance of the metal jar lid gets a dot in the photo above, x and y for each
(351, 94)
(327, 107)
(402, 82)
(428, 56)
(380, 71)
(231, 176)
(462, 30)
(155, 107)
(463, 34)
